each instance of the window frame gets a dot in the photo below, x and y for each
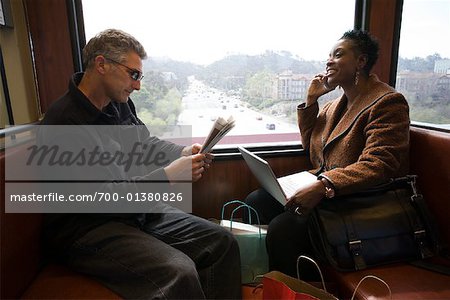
(9, 117)
(222, 150)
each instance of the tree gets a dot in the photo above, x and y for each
(258, 89)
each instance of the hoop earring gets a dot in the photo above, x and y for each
(356, 78)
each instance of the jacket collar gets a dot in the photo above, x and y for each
(91, 114)
(338, 125)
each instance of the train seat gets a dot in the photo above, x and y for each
(429, 159)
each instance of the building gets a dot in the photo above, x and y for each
(292, 86)
(442, 66)
(417, 82)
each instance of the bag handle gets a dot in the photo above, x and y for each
(317, 267)
(249, 209)
(374, 277)
(240, 202)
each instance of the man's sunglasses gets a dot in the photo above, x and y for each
(134, 74)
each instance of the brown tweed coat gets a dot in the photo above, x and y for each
(366, 146)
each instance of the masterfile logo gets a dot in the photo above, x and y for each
(95, 169)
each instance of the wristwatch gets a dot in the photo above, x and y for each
(329, 190)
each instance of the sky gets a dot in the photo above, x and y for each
(203, 31)
(425, 28)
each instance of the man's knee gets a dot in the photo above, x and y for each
(224, 243)
(179, 279)
(182, 269)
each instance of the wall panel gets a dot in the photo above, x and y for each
(383, 22)
(50, 37)
(232, 180)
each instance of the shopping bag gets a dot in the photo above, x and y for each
(252, 292)
(251, 240)
(277, 285)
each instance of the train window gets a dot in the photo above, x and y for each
(423, 71)
(250, 59)
(3, 108)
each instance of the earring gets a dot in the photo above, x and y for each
(356, 77)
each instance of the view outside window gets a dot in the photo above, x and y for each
(250, 59)
(423, 72)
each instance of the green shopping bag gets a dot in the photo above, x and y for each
(251, 240)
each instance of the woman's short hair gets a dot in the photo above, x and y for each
(364, 43)
(113, 44)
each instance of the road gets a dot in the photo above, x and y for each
(203, 104)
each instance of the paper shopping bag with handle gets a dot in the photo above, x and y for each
(251, 240)
(277, 285)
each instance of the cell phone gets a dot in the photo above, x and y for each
(325, 82)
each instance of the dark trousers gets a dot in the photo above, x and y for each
(287, 236)
(173, 256)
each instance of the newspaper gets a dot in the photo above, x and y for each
(220, 128)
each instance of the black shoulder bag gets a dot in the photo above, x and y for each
(389, 223)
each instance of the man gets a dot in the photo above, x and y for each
(164, 255)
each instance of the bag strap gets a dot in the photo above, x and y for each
(390, 185)
(249, 208)
(430, 225)
(374, 277)
(239, 202)
(354, 244)
(415, 218)
(317, 267)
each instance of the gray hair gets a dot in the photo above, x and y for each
(113, 44)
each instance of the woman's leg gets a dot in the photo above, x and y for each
(287, 239)
(287, 236)
(266, 206)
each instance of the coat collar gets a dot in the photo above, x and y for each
(338, 125)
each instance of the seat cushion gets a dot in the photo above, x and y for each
(58, 282)
(406, 282)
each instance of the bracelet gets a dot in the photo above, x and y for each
(329, 190)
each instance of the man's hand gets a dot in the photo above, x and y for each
(306, 198)
(194, 149)
(186, 168)
(189, 150)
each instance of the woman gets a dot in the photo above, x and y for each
(357, 141)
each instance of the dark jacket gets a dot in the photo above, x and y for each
(74, 109)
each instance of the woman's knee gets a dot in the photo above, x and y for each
(266, 206)
(287, 228)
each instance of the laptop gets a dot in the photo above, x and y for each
(280, 188)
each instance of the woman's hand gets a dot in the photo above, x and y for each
(306, 198)
(317, 87)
